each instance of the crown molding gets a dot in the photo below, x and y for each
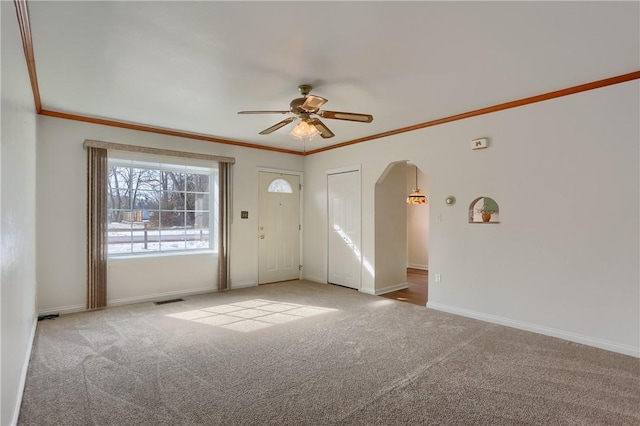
(22, 12)
(161, 131)
(495, 108)
(27, 42)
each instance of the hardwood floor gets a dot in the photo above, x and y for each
(417, 292)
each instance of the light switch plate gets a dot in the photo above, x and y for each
(479, 143)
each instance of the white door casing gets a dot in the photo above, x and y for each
(344, 258)
(278, 227)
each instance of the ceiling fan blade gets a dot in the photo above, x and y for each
(349, 116)
(313, 103)
(277, 126)
(324, 130)
(264, 112)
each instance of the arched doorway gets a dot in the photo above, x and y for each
(417, 241)
(401, 234)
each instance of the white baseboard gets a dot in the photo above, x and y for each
(128, 301)
(416, 266)
(63, 310)
(246, 284)
(159, 296)
(386, 290)
(319, 280)
(561, 334)
(23, 374)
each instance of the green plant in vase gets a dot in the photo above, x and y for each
(486, 213)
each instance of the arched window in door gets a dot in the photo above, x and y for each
(280, 185)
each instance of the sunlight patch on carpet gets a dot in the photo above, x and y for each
(251, 315)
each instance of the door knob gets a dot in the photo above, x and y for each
(262, 237)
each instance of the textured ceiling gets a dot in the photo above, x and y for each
(190, 66)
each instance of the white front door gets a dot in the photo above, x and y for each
(279, 227)
(343, 191)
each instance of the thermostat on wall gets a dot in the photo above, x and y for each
(479, 143)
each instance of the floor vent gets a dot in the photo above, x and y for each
(164, 302)
(46, 317)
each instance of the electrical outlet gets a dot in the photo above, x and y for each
(438, 278)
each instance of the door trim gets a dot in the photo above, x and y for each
(345, 169)
(301, 216)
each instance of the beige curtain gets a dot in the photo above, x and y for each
(97, 172)
(224, 219)
(97, 175)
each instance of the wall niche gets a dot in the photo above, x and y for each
(484, 210)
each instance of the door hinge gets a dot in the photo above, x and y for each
(299, 267)
(300, 186)
(299, 227)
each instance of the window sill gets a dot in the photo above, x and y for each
(119, 257)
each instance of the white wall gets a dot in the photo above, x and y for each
(17, 218)
(417, 222)
(391, 229)
(61, 221)
(569, 269)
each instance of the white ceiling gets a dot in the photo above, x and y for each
(190, 66)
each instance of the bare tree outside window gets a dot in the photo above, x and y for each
(158, 209)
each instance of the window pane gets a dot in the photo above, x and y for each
(123, 178)
(172, 230)
(197, 220)
(146, 200)
(172, 181)
(172, 245)
(146, 238)
(116, 218)
(197, 201)
(172, 201)
(280, 185)
(195, 242)
(197, 182)
(118, 199)
(119, 177)
(152, 218)
(197, 232)
(171, 220)
(145, 179)
(118, 235)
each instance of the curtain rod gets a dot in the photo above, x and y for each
(89, 143)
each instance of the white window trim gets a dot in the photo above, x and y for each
(174, 164)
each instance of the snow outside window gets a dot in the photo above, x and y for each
(156, 207)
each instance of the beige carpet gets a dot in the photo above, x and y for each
(301, 353)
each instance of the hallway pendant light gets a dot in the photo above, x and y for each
(416, 197)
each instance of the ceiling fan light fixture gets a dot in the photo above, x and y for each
(307, 110)
(304, 131)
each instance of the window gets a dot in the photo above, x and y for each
(158, 207)
(280, 185)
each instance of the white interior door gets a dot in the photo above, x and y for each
(279, 227)
(345, 258)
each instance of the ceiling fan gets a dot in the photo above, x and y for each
(307, 110)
